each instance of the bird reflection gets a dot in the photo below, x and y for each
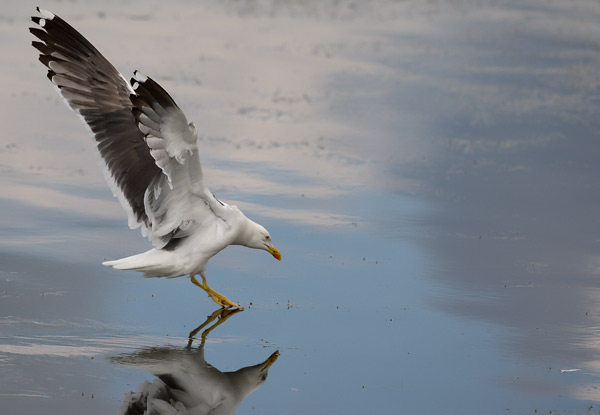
(186, 383)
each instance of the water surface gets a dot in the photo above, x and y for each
(427, 169)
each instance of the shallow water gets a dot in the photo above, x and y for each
(427, 169)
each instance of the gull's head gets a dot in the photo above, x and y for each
(258, 237)
(248, 379)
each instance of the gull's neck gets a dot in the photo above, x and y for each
(247, 234)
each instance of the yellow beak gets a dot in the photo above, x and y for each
(273, 251)
(267, 363)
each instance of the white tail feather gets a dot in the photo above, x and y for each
(153, 263)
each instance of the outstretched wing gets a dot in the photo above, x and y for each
(177, 202)
(148, 149)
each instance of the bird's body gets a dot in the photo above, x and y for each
(150, 158)
(187, 256)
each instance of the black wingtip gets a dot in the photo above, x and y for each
(40, 47)
(139, 77)
(148, 89)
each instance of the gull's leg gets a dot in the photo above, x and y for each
(222, 314)
(209, 320)
(217, 298)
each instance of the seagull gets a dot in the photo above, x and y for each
(150, 159)
(186, 383)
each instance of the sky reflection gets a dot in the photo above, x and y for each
(428, 170)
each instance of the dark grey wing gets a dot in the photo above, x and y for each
(177, 202)
(148, 148)
(93, 88)
(172, 141)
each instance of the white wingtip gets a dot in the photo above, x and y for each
(45, 14)
(140, 77)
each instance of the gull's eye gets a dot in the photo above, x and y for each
(268, 238)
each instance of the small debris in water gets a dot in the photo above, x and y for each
(569, 370)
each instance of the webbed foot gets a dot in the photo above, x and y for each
(218, 298)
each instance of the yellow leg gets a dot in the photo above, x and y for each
(222, 314)
(217, 298)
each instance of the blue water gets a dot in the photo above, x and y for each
(428, 171)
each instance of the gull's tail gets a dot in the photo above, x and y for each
(152, 263)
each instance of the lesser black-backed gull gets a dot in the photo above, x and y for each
(150, 157)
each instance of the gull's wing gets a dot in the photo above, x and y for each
(177, 202)
(148, 149)
(186, 381)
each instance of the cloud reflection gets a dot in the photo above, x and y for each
(186, 383)
(267, 109)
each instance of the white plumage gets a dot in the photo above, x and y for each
(150, 157)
